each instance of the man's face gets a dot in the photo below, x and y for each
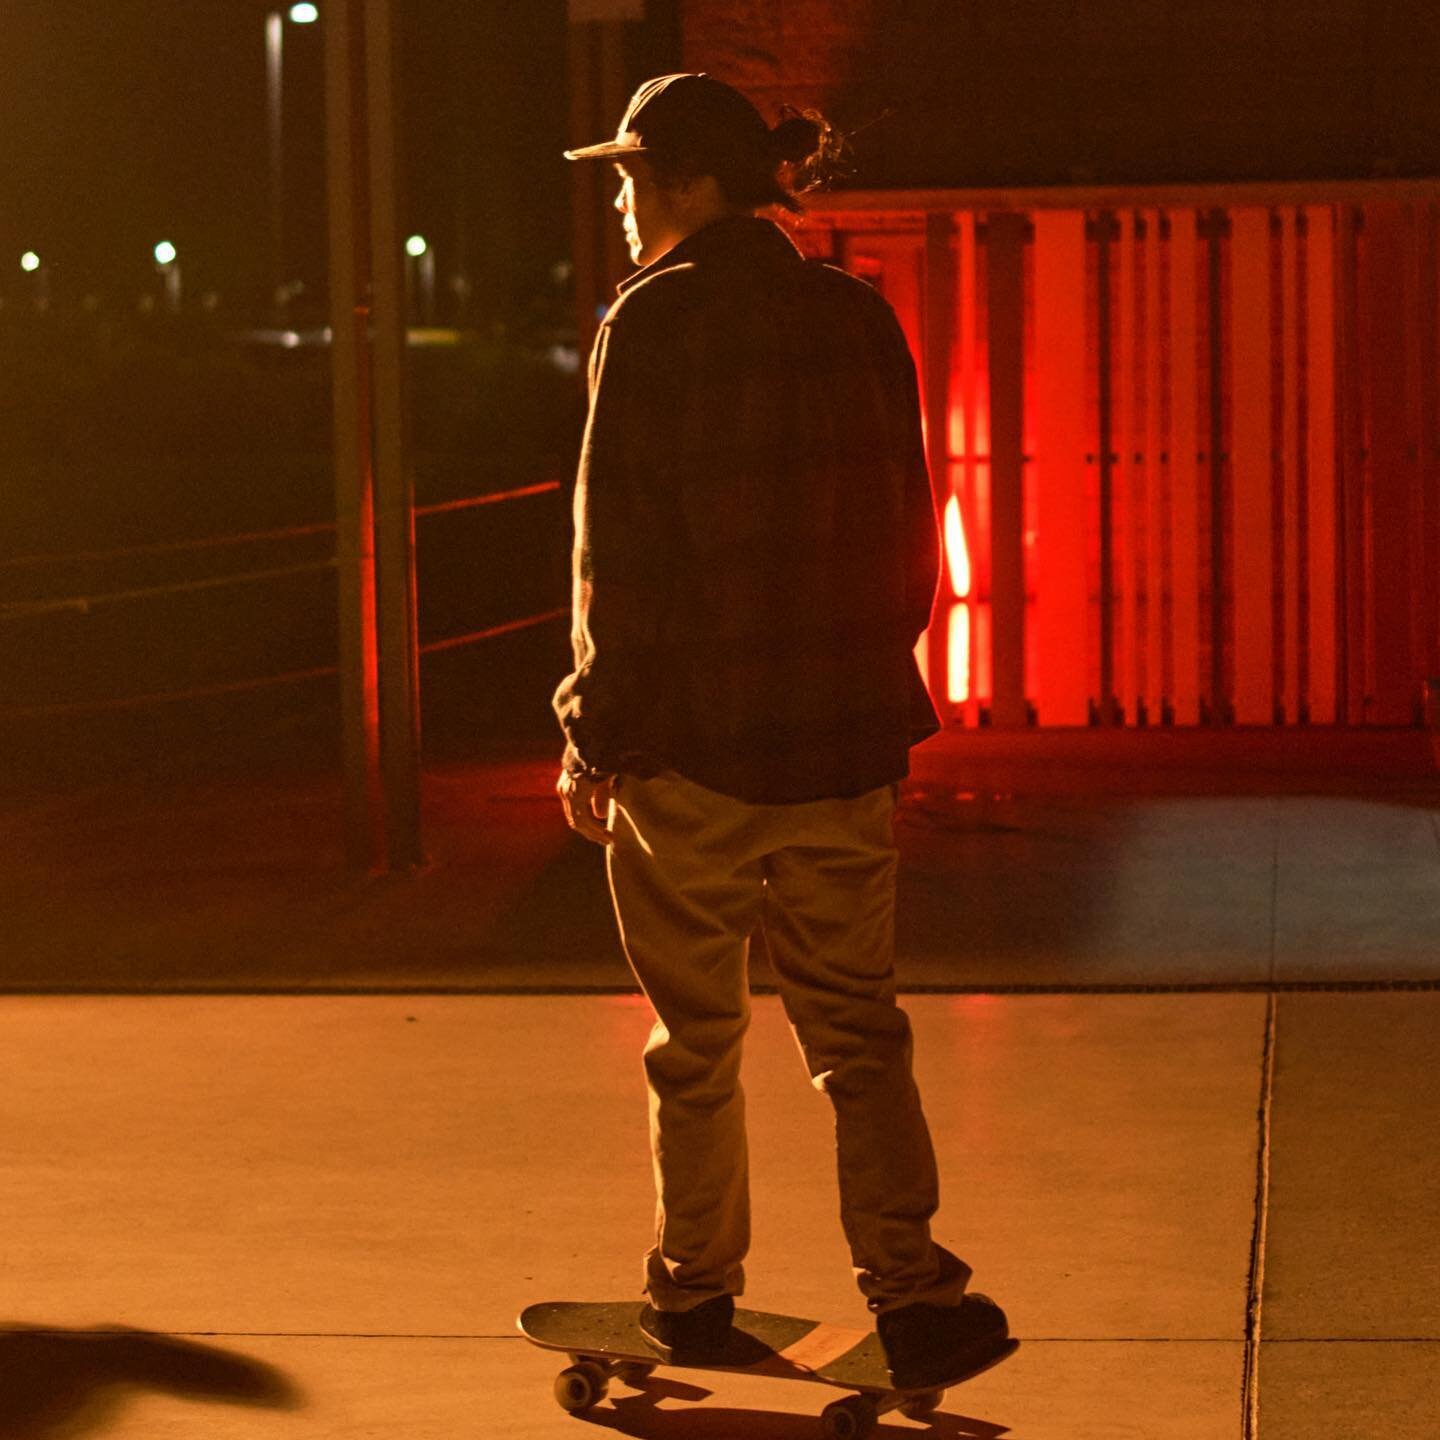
(654, 219)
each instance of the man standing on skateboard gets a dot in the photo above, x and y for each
(755, 558)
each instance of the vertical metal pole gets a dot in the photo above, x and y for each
(1005, 308)
(1062, 474)
(1389, 309)
(584, 181)
(1219, 464)
(354, 481)
(938, 330)
(1109, 710)
(394, 499)
(427, 286)
(613, 93)
(1430, 442)
(598, 92)
(171, 273)
(1350, 467)
(274, 61)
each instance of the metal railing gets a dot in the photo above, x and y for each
(85, 603)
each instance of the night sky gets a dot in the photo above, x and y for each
(133, 121)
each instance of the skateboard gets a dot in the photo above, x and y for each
(604, 1343)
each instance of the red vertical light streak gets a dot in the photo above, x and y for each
(1321, 618)
(958, 687)
(1185, 469)
(1251, 459)
(959, 646)
(957, 552)
(1059, 486)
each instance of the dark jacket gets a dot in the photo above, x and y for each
(755, 542)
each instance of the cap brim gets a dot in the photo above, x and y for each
(604, 151)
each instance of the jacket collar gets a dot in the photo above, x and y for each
(744, 237)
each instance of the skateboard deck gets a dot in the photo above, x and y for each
(604, 1342)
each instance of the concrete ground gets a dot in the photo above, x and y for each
(285, 1153)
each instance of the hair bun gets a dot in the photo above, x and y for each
(795, 139)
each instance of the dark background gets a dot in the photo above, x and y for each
(142, 120)
(1055, 92)
(133, 121)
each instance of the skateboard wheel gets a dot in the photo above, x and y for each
(634, 1373)
(927, 1402)
(852, 1418)
(578, 1387)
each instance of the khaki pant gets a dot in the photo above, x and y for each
(692, 873)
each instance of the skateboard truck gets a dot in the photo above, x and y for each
(586, 1380)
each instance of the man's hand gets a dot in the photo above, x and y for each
(587, 805)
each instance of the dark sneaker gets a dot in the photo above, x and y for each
(930, 1346)
(700, 1336)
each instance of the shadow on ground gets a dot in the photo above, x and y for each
(640, 1413)
(65, 1384)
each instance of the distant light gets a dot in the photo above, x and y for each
(565, 358)
(289, 339)
(416, 246)
(29, 262)
(304, 14)
(164, 253)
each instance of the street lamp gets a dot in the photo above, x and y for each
(423, 256)
(167, 264)
(300, 14)
(31, 264)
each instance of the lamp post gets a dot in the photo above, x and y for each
(422, 259)
(167, 266)
(302, 14)
(31, 264)
(374, 482)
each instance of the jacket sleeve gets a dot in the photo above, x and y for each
(620, 563)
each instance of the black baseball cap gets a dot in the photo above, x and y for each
(689, 115)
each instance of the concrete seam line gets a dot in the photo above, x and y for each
(573, 988)
(1250, 1386)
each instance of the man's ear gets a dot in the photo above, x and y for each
(696, 190)
(683, 187)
